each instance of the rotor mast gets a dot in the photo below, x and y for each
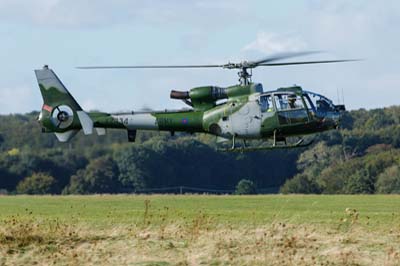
(244, 76)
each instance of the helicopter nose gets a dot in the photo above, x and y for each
(340, 108)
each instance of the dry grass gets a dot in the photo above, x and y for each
(164, 237)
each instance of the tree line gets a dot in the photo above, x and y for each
(361, 157)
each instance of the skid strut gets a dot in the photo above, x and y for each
(298, 144)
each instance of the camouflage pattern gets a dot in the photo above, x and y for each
(240, 111)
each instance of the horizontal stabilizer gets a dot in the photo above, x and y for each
(101, 131)
(86, 122)
(66, 136)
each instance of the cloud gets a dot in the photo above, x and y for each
(89, 105)
(104, 13)
(55, 13)
(230, 6)
(16, 100)
(352, 23)
(389, 81)
(270, 43)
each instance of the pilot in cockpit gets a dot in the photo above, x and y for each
(292, 101)
(266, 104)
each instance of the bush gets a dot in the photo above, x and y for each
(245, 187)
(359, 183)
(37, 183)
(100, 176)
(389, 180)
(300, 183)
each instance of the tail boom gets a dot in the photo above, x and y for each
(61, 114)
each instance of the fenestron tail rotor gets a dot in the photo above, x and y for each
(62, 116)
(244, 75)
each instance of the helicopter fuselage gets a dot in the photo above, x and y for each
(284, 112)
(238, 112)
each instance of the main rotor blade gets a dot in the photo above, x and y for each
(308, 62)
(244, 64)
(281, 56)
(151, 66)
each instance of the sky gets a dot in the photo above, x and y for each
(68, 33)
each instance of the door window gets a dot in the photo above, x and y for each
(266, 103)
(288, 102)
(291, 109)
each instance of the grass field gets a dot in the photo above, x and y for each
(200, 230)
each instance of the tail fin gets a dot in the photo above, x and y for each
(53, 91)
(60, 113)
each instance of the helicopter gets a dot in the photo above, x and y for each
(239, 112)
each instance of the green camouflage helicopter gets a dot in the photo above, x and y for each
(242, 111)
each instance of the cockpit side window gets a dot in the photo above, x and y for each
(288, 102)
(266, 103)
(291, 108)
(309, 102)
(319, 103)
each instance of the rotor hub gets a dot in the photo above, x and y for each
(244, 76)
(62, 116)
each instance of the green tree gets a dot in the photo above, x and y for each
(312, 161)
(389, 180)
(137, 166)
(360, 182)
(245, 187)
(301, 184)
(100, 176)
(1, 140)
(378, 119)
(77, 184)
(38, 183)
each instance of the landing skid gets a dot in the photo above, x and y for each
(298, 144)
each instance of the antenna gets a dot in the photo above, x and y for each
(342, 96)
(338, 98)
